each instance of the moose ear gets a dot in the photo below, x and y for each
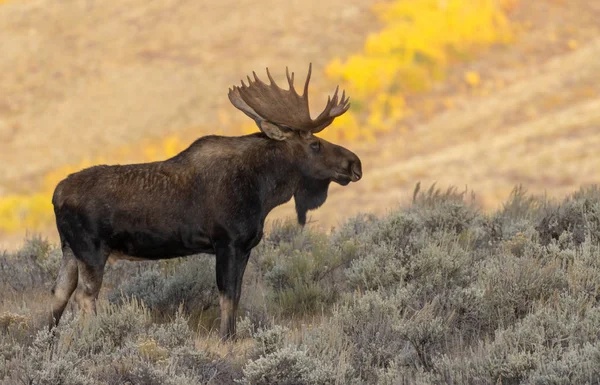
(273, 131)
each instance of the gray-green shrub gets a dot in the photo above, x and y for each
(435, 293)
(191, 283)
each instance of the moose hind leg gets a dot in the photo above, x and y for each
(90, 281)
(65, 284)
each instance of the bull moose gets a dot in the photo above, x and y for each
(213, 197)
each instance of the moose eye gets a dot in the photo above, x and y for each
(315, 146)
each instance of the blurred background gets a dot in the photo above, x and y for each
(478, 94)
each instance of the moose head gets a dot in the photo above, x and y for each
(284, 115)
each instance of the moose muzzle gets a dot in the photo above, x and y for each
(356, 171)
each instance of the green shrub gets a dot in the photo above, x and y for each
(511, 285)
(542, 339)
(298, 268)
(356, 230)
(120, 344)
(377, 267)
(580, 365)
(444, 210)
(35, 265)
(192, 283)
(368, 323)
(269, 340)
(521, 206)
(578, 214)
(288, 366)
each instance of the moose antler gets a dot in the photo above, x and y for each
(285, 108)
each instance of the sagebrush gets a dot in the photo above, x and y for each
(435, 293)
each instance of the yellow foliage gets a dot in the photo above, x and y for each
(25, 211)
(346, 127)
(418, 41)
(172, 146)
(472, 78)
(572, 44)
(248, 127)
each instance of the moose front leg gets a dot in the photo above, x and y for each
(231, 264)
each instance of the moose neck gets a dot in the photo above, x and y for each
(278, 169)
(273, 166)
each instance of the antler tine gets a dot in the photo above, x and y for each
(344, 100)
(256, 79)
(334, 99)
(336, 109)
(270, 78)
(305, 92)
(290, 79)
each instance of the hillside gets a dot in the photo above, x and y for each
(531, 118)
(120, 74)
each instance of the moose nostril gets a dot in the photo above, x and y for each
(356, 171)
